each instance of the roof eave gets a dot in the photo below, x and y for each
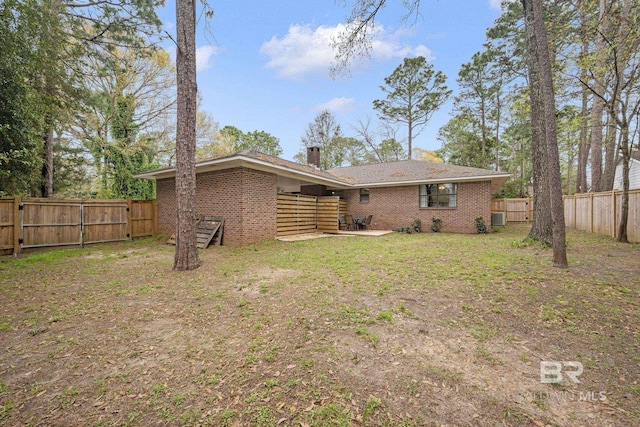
(244, 161)
(240, 160)
(496, 181)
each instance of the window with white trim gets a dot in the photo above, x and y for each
(439, 195)
(364, 195)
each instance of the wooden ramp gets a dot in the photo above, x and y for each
(209, 228)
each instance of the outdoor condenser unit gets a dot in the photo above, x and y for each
(497, 218)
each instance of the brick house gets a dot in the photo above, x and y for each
(244, 188)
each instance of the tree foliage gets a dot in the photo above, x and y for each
(414, 92)
(46, 47)
(326, 133)
(257, 140)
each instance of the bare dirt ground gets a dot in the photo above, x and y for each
(399, 330)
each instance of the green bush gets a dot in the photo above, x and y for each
(481, 226)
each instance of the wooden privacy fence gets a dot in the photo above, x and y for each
(299, 214)
(296, 214)
(515, 210)
(33, 223)
(601, 212)
(328, 214)
(593, 212)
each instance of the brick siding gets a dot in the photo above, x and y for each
(394, 207)
(246, 198)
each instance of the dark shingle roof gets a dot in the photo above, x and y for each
(381, 174)
(409, 171)
(285, 163)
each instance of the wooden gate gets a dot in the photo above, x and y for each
(105, 222)
(61, 223)
(50, 224)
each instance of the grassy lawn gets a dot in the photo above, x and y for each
(400, 330)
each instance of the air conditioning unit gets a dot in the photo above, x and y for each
(497, 218)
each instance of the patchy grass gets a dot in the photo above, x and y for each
(401, 330)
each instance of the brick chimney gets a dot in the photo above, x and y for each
(313, 156)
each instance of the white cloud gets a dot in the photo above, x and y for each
(203, 57)
(422, 50)
(387, 46)
(336, 105)
(306, 50)
(301, 51)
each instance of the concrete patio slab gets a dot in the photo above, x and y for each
(310, 236)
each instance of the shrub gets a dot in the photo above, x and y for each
(436, 225)
(481, 226)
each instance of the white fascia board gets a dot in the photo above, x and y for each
(434, 181)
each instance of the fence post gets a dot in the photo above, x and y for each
(591, 209)
(129, 222)
(154, 212)
(504, 202)
(17, 224)
(615, 214)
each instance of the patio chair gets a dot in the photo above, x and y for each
(366, 224)
(342, 223)
(348, 219)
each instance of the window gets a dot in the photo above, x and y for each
(364, 195)
(438, 195)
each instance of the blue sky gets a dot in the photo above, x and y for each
(264, 65)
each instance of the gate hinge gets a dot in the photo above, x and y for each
(20, 207)
(20, 241)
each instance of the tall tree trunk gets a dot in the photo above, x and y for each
(551, 133)
(47, 163)
(596, 141)
(541, 226)
(410, 139)
(598, 103)
(186, 256)
(483, 124)
(498, 117)
(571, 161)
(583, 147)
(624, 218)
(610, 154)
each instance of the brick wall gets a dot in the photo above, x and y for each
(246, 199)
(394, 207)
